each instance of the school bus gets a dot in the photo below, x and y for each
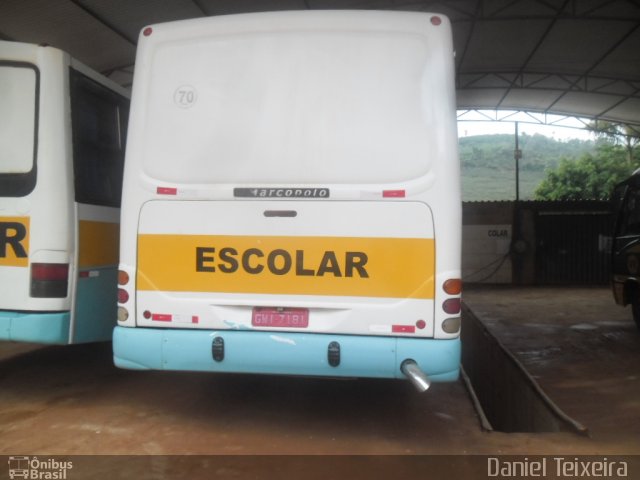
(625, 252)
(61, 161)
(291, 199)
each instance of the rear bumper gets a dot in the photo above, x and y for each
(283, 353)
(49, 328)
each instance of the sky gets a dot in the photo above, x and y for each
(558, 127)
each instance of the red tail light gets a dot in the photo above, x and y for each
(49, 280)
(451, 306)
(123, 295)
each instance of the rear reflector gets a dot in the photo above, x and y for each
(89, 274)
(49, 280)
(403, 329)
(168, 317)
(166, 191)
(393, 194)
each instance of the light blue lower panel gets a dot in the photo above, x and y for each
(96, 306)
(283, 353)
(50, 328)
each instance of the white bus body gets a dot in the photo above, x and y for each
(291, 199)
(61, 161)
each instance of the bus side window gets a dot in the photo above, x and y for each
(99, 118)
(630, 221)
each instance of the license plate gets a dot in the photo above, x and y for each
(280, 317)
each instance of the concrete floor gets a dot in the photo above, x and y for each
(584, 350)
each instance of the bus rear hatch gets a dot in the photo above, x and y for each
(357, 267)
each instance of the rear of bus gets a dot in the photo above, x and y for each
(291, 201)
(58, 227)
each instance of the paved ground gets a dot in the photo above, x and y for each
(583, 349)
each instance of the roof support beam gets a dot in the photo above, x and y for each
(200, 6)
(474, 21)
(602, 58)
(541, 40)
(619, 102)
(103, 21)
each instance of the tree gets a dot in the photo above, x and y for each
(590, 177)
(619, 134)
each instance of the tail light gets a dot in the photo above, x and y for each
(123, 295)
(49, 280)
(453, 286)
(451, 306)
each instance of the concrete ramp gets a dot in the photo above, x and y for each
(507, 398)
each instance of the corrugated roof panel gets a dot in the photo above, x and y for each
(586, 104)
(479, 98)
(572, 46)
(64, 25)
(131, 16)
(510, 44)
(536, 100)
(624, 61)
(627, 109)
(224, 7)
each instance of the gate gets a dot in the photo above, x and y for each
(572, 244)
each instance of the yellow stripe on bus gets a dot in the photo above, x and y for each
(335, 266)
(99, 244)
(14, 241)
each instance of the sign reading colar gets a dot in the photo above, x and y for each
(382, 267)
(14, 241)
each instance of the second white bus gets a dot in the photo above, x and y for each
(62, 137)
(291, 199)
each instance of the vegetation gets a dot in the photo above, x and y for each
(619, 135)
(549, 169)
(488, 165)
(590, 177)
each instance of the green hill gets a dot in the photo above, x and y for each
(488, 165)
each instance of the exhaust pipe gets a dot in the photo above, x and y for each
(416, 376)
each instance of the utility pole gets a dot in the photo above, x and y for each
(517, 154)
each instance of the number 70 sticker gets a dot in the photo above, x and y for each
(185, 96)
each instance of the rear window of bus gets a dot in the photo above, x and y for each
(18, 132)
(333, 107)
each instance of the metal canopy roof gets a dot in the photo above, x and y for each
(570, 57)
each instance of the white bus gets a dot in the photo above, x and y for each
(61, 160)
(291, 199)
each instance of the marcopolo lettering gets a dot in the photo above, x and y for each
(281, 192)
(280, 262)
(12, 234)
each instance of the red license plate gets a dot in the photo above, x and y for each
(280, 317)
